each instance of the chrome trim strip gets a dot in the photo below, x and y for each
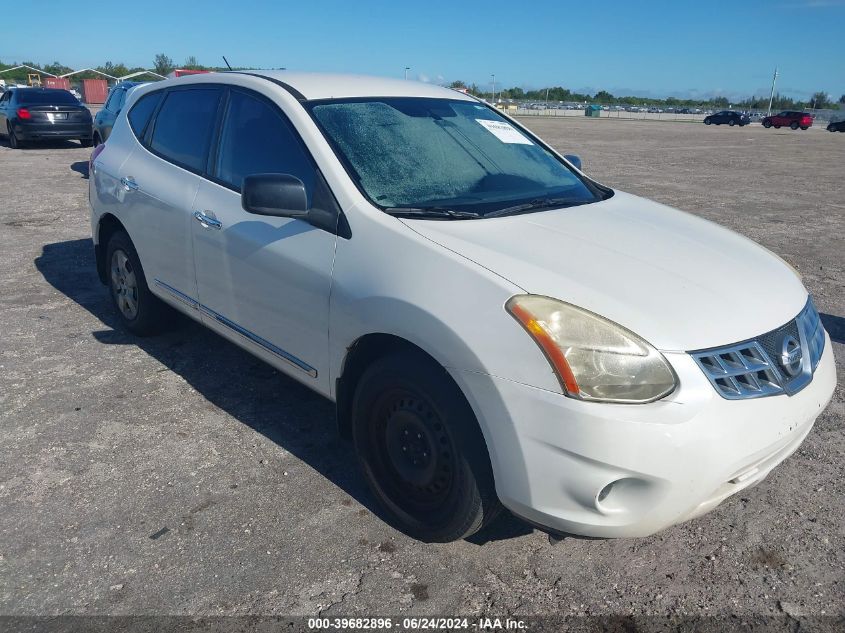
(739, 373)
(250, 336)
(181, 296)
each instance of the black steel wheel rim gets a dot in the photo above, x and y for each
(413, 456)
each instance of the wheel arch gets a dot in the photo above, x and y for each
(107, 226)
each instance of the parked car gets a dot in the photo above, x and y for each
(29, 114)
(493, 325)
(727, 116)
(104, 120)
(836, 126)
(789, 118)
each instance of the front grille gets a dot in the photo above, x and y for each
(770, 364)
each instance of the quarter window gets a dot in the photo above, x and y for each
(184, 125)
(141, 112)
(256, 139)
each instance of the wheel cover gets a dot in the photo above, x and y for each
(413, 456)
(124, 284)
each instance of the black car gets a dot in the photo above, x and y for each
(104, 121)
(838, 126)
(727, 116)
(29, 114)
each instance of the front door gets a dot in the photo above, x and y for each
(263, 281)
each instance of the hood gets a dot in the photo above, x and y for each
(679, 281)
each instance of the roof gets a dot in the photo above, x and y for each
(337, 86)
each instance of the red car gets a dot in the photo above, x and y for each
(792, 119)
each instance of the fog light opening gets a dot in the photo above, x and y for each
(627, 495)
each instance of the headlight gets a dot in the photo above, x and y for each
(593, 358)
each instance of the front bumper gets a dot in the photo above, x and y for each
(36, 131)
(669, 461)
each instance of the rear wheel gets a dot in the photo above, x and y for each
(793, 126)
(14, 143)
(97, 140)
(139, 310)
(804, 127)
(421, 449)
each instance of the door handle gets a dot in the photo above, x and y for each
(207, 222)
(129, 183)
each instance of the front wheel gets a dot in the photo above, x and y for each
(793, 126)
(707, 121)
(767, 124)
(732, 123)
(421, 449)
(777, 127)
(138, 309)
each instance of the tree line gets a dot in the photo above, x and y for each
(818, 100)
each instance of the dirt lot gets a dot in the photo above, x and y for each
(178, 475)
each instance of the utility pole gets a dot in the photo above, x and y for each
(772, 95)
(407, 68)
(493, 77)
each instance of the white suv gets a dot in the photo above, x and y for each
(493, 325)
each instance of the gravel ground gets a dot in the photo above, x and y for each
(179, 475)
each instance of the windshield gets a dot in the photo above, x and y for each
(47, 97)
(417, 154)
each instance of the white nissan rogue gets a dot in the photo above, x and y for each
(493, 325)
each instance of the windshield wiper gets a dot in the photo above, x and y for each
(539, 203)
(431, 212)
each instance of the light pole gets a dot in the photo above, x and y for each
(493, 78)
(772, 95)
(407, 68)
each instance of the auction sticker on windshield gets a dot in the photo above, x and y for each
(504, 132)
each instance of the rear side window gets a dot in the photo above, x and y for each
(141, 112)
(257, 139)
(184, 125)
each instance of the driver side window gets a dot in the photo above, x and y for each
(257, 139)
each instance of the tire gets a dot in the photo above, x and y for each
(793, 126)
(731, 122)
(86, 142)
(767, 124)
(777, 127)
(96, 139)
(139, 310)
(830, 128)
(707, 121)
(421, 449)
(804, 127)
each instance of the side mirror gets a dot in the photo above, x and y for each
(280, 195)
(575, 160)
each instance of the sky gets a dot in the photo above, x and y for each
(653, 49)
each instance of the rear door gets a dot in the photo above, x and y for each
(160, 181)
(264, 281)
